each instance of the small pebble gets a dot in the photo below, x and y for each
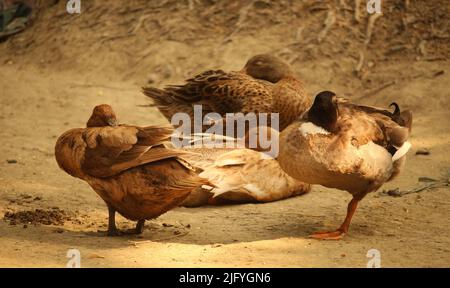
(427, 179)
(423, 151)
(394, 192)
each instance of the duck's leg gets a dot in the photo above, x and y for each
(112, 229)
(140, 226)
(135, 231)
(341, 231)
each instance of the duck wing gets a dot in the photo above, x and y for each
(388, 129)
(217, 91)
(111, 150)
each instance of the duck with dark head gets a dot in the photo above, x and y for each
(350, 147)
(324, 111)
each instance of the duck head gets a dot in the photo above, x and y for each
(324, 111)
(267, 67)
(102, 115)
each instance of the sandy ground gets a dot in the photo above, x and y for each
(409, 231)
(40, 99)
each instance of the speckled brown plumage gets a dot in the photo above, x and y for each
(265, 85)
(128, 166)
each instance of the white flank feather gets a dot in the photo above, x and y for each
(401, 151)
(265, 156)
(254, 190)
(310, 128)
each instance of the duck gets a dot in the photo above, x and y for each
(129, 167)
(239, 175)
(266, 84)
(338, 144)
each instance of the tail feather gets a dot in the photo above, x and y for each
(166, 103)
(159, 96)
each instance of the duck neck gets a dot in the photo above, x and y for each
(325, 117)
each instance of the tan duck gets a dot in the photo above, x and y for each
(128, 167)
(240, 176)
(345, 146)
(265, 85)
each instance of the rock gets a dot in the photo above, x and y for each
(394, 192)
(427, 179)
(11, 161)
(423, 151)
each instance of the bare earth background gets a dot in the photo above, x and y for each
(53, 74)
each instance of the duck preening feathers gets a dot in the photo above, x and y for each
(350, 147)
(129, 167)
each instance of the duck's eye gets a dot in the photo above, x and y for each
(259, 63)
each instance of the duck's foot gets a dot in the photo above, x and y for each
(113, 231)
(341, 231)
(328, 235)
(140, 226)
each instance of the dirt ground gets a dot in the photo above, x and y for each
(55, 72)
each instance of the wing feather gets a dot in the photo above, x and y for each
(117, 149)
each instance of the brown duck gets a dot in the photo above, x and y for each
(265, 85)
(128, 167)
(240, 176)
(341, 145)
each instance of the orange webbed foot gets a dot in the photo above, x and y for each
(328, 235)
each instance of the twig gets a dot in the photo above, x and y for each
(360, 64)
(370, 25)
(329, 21)
(192, 3)
(298, 34)
(139, 23)
(357, 14)
(432, 183)
(243, 14)
(428, 186)
(422, 48)
(406, 4)
(99, 86)
(317, 7)
(431, 59)
(379, 89)
(344, 5)
(136, 243)
(111, 38)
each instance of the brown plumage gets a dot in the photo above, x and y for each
(265, 85)
(240, 176)
(350, 147)
(128, 166)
